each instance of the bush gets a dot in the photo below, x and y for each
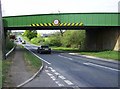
(36, 40)
(54, 40)
(9, 44)
(30, 34)
(73, 38)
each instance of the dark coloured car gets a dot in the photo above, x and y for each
(23, 42)
(44, 49)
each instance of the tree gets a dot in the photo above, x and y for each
(73, 38)
(30, 34)
(54, 40)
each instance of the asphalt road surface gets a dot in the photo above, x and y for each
(79, 71)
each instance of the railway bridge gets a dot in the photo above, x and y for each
(102, 29)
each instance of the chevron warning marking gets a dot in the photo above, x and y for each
(45, 24)
(41, 24)
(49, 24)
(61, 24)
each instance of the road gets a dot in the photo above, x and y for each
(78, 71)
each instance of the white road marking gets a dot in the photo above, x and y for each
(76, 87)
(46, 70)
(68, 82)
(57, 73)
(62, 77)
(59, 84)
(38, 56)
(101, 66)
(65, 57)
(50, 68)
(53, 78)
(49, 74)
(46, 67)
(53, 70)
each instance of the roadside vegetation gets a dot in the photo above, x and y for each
(9, 40)
(9, 44)
(5, 64)
(32, 61)
(70, 41)
(104, 54)
(5, 70)
(0, 73)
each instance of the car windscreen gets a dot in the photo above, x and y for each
(44, 47)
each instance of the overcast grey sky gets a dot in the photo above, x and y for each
(25, 7)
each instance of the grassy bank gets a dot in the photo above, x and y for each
(33, 64)
(65, 49)
(32, 61)
(0, 73)
(103, 54)
(5, 71)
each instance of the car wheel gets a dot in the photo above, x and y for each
(40, 52)
(37, 51)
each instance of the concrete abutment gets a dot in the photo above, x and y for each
(102, 39)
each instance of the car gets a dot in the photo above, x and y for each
(44, 49)
(23, 42)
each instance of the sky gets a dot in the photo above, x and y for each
(25, 7)
(28, 7)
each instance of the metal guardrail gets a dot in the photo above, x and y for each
(7, 54)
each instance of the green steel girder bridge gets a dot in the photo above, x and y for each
(61, 21)
(102, 29)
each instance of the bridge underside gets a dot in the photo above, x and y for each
(98, 38)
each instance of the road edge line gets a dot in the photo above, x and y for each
(96, 58)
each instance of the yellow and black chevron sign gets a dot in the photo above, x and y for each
(61, 24)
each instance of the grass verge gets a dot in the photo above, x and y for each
(0, 73)
(32, 61)
(5, 71)
(102, 54)
(65, 49)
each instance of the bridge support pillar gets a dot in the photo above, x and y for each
(2, 39)
(102, 39)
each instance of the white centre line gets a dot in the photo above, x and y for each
(101, 66)
(65, 57)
